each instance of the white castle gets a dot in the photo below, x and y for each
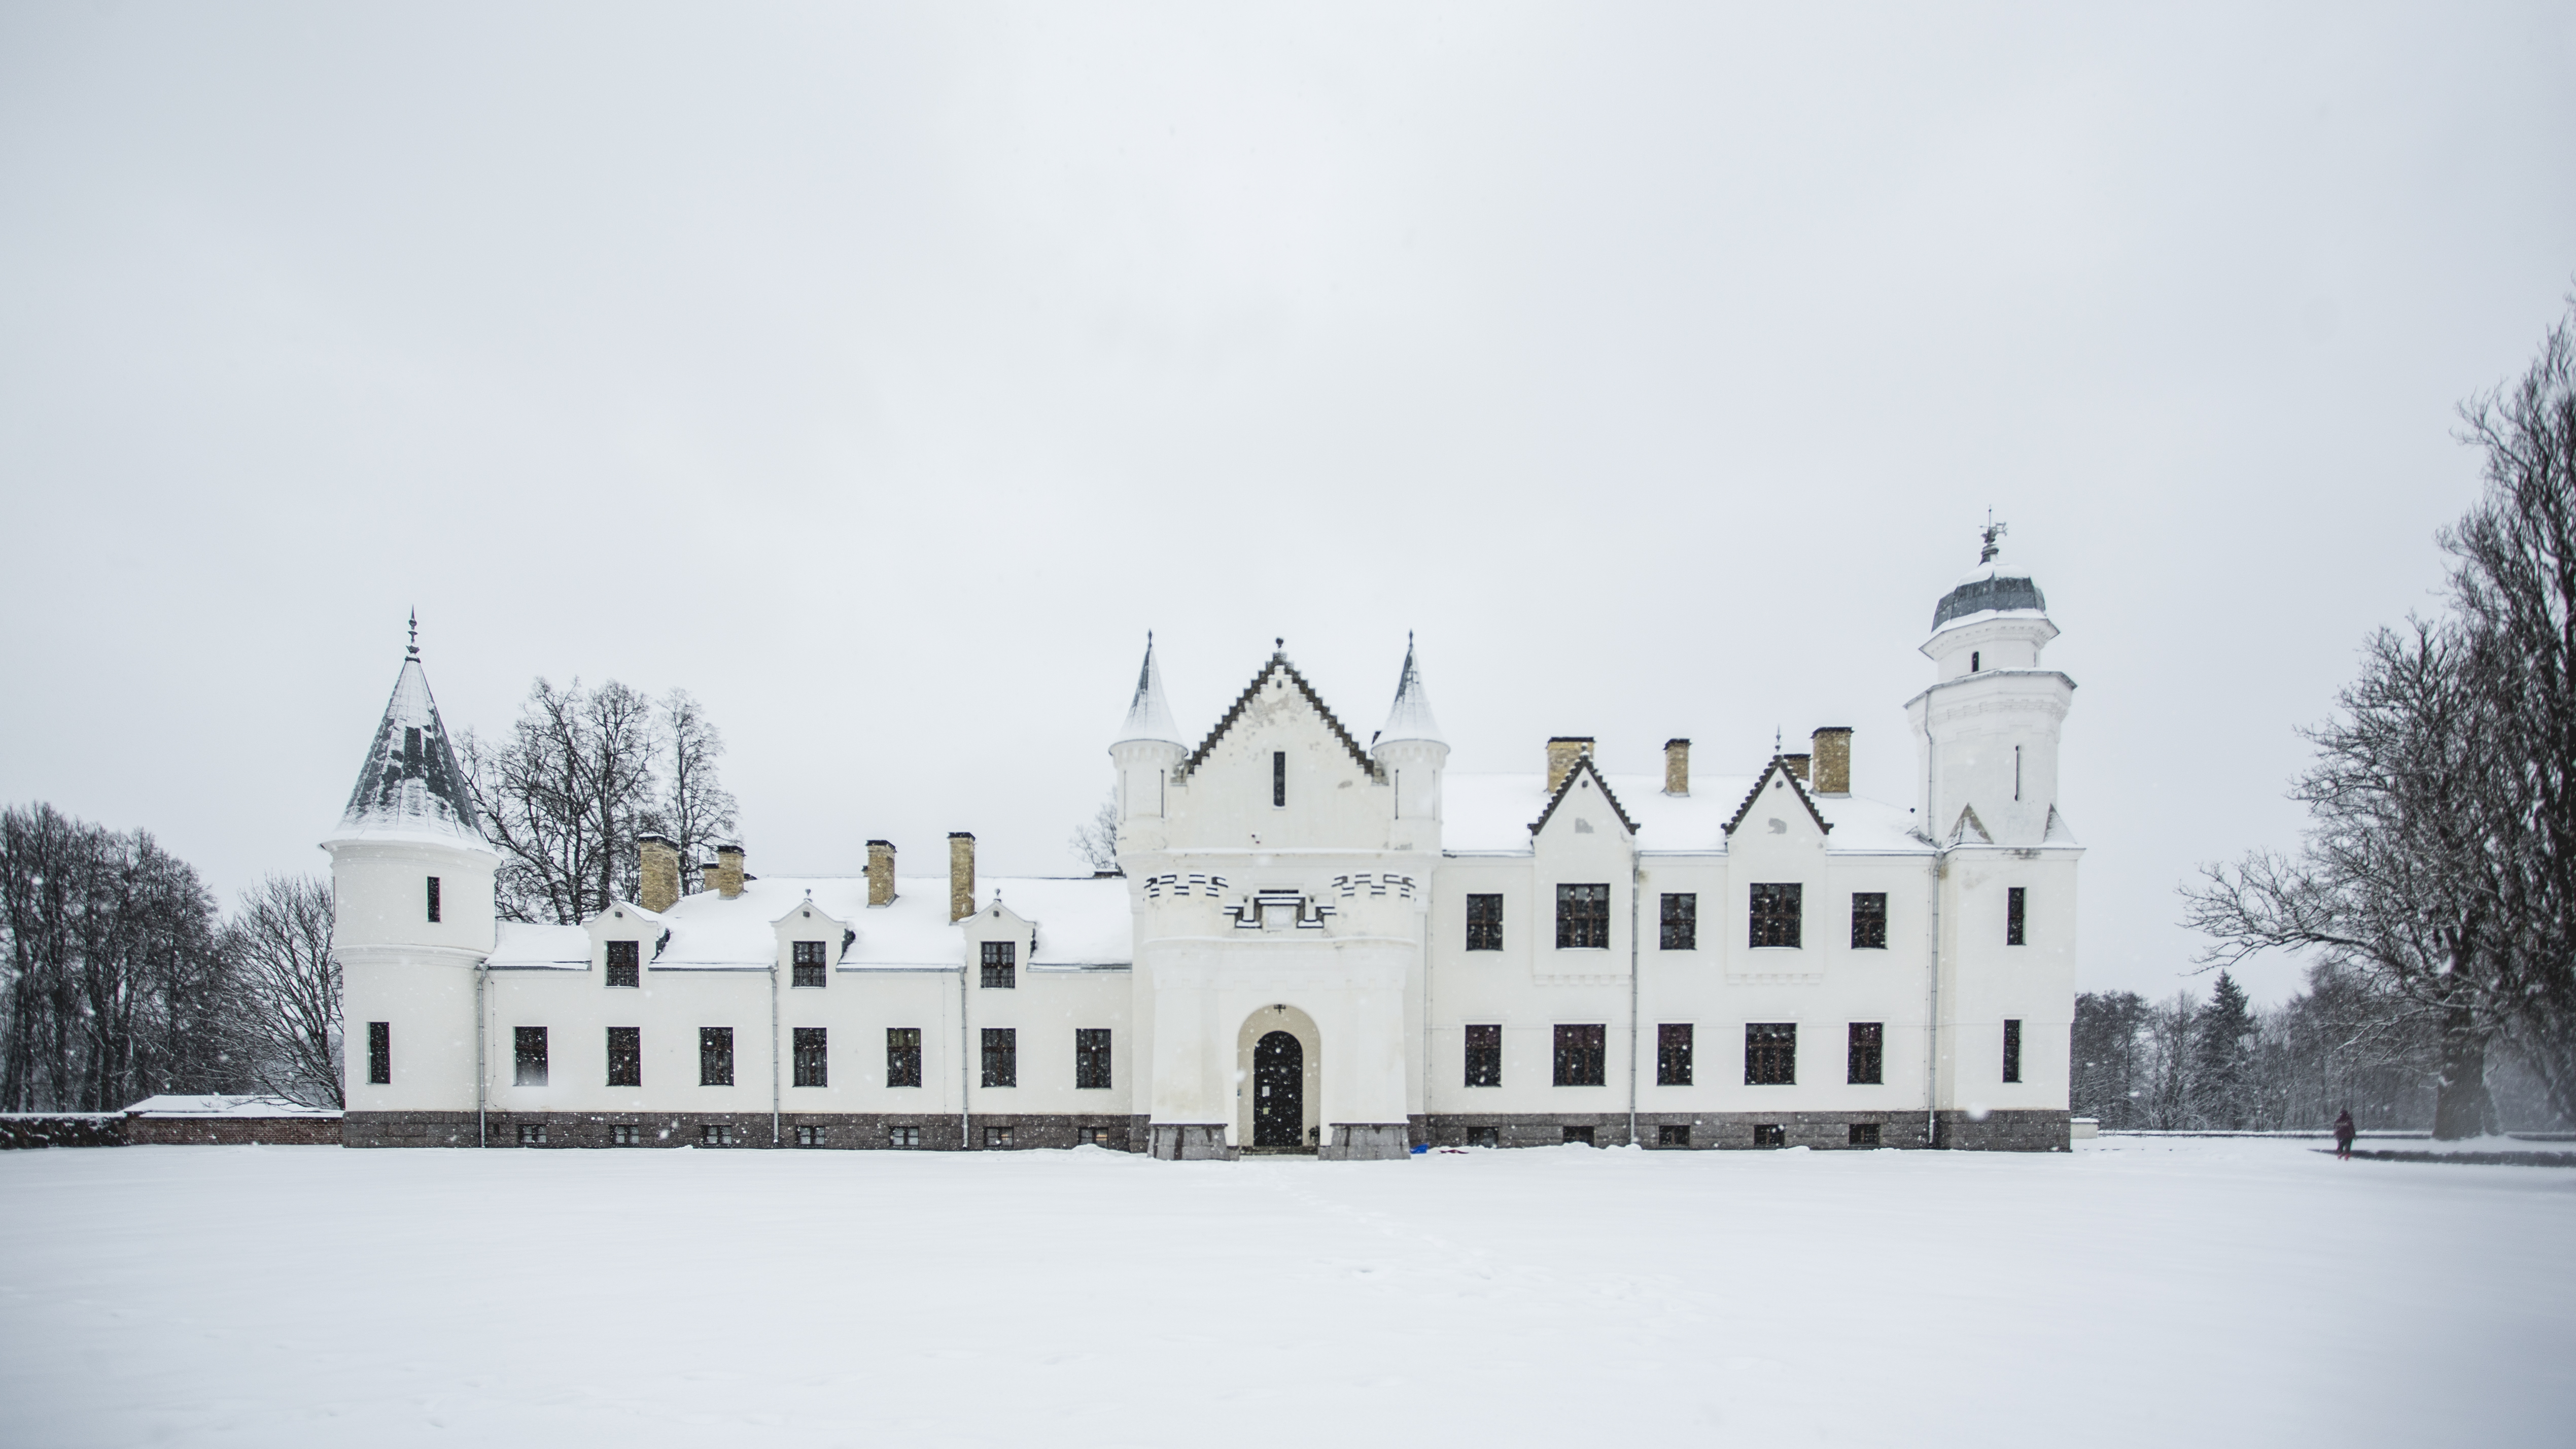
(1311, 945)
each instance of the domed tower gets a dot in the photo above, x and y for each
(1148, 751)
(1986, 731)
(1410, 752)
(411, 883)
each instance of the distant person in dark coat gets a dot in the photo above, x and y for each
(2343, 1135)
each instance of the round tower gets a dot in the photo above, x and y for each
(1410, 751)
(1148, 752)
(411, 885)
(1986, 732)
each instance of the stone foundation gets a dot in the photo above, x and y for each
(2007, 1132)
(1190, 1142)
(233, 1131)
(1367, 1142)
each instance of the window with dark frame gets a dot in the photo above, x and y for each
(1770, 1134)
(1578, 1137)
(813, 1057)
(2014, 901)
(1864, 1134)
(1001, 1056)
(903, 1056)
(1869, 920)
(1485, 1056)
(716, 1134)
(625, 963)
(1867, 1055)
(1582, 1055)
(1776, 912)
(626, 1056)
(380, 1053)
(1279, 777)
(903, 1137)
(625, 1134)
(1485, 923)
(433, 898)
(1673, 1054)
(1091, 1058)
(1583, 917)
(532, 1134)
(1001, 965)
(1770, 1054)
(1681, 922)
(1673, 1134)
(809, 1136)
(997, 1136)
(715, 1056)
(806, 963)
(2012, 1049)
(528, 1052)
(1484, 1136)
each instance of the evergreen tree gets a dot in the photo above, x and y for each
(2222, 1050)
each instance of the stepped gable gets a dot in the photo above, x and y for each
(1583, 766)
(1279, 665)
(410, 783)
(1781, 768)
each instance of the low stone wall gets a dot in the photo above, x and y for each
(841, 1130)
(62, 1129)
(233, 1131)
(1695, 1130)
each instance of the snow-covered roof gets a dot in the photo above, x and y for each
(410, 786)
(1080, 921)
(1989, 588)
(522, 946)
(1148, 716)
(1495, 812)
(254, 1106)
(1409, 718)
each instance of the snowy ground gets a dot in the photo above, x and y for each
(2191, 1292)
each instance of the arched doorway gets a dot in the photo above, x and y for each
(1278, 1091)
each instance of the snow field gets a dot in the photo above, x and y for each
(2194, 1292)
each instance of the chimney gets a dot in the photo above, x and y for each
(728, 872)
(880, 872)
(1562, 752)
(661, 860)
(961, 875)
(706, 875)
(1676, 767)
(1797, 766)
(1832, 745)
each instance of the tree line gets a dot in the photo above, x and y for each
(2439, 863)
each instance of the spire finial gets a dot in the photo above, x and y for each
(1280, 644)
(1775, 742)
(1989, 534)
(413, 649)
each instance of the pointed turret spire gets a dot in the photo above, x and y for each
(410, 783)
(1409, 718)
(1148, 718)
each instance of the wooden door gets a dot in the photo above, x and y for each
(1278, 1092)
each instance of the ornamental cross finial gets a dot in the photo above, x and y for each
(413, 649)
(1991, 532)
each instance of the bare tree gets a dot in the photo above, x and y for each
(279, 943)
(1095, 841)
(563, 798)
(695, 810)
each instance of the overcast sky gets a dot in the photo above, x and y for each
(882, 375)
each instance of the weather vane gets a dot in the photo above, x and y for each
(414, 648)
(1993, 531)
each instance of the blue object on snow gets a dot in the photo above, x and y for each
(1420, 1148)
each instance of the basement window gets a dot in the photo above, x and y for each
(380, 1053)
(625, 963)
(997, 1136)
(1001, 965)
(1672, 1135)
(1770, 1054)
(1485, 1056)
(809, 1136)
(1775, 917)
(1681, 922)
(807, 967)
(1869, 920)
(1770, 1134)
(716, 1134)
(1485, 923)
(532, 1134)
(1583, 917)
(1578, 1137)
(812, 1058)
(528, 1052)
(626, 1056)
(1109, 1137)
(903, 1056)
(2015, 902)
(715, 1056)
(903, 1137)
(624, 1135)
(1673, 1054)
(1484, 1136)
(1864, 1134)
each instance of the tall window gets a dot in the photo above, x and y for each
(2013, 904)
(1681, 922)
(1581, 1058)
(1776, 914)
(1279, 777)
(380, 1053)
(433, 898)
(1673, 1054)
(625, 963)
(1771, 1054)
(1485, 1056)
(1869, 920)
(715, 1056)
(1001, 1056)
(528, 1050)
(1001, 964)
(807, 968)
(1091, 1057)
(903, 1056)
(2012, 1049)
(812, 1057)
(1868, 1053)
(1583, 917)
(626, 1056)
(1485, 923)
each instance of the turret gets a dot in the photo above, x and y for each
(411, 886)
(1409, 750)
(1986, 731)
(1148, 750)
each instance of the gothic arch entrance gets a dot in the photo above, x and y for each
(1278, 1091)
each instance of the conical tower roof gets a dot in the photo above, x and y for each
(1148, 717)
(1409, 718)
(410, 785)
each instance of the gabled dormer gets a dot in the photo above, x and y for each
(624, 939)
(811, 941)
(1778, 804)
(999, 944)
(1582, 805)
